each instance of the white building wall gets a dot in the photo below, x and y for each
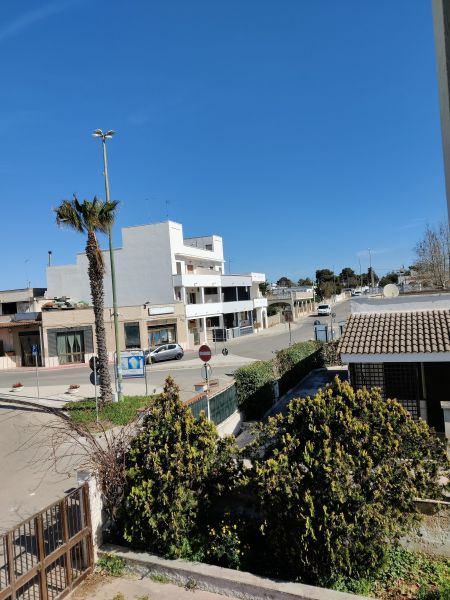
(143, 270)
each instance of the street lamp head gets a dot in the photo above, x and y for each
(109, 133)
(98, 133)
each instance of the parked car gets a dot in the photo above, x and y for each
(357, 293)
(165, 352)
(324, 309)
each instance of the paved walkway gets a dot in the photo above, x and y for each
(307, 387)
(127, 588)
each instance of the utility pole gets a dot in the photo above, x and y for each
(118, 368)
(371, 270)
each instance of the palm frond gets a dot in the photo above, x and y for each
(107, 215)
(67, 214)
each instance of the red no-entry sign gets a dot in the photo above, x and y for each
(204, 353)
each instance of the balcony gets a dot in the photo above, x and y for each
(195, 311)
(211, 279)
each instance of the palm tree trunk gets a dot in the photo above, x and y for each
(96, 271)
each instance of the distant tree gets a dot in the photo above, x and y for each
(336, 478)
(285, 282)
(305, 282)
(264, 288)
(324, 275)
(348, 277)
(433, 255)
(391, 277)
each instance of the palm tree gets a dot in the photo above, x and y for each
(92, 217)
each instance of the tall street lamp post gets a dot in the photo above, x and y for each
(118, 370)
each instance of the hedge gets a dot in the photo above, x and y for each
(304, 366)
(288, 358)
(254, 385)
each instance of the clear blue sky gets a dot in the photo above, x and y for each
(303, 132)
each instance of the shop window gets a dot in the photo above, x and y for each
(132, 335)
(70, 347)
(161, 335)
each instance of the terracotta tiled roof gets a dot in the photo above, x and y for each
(11, 324)
(397, 333)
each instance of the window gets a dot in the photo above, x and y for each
(190, 268)
(161, 335)
(9, 308)
(210, 291)
(243, 293)
(70, 347)
(132, 335)
(208, 247)
(192, 298)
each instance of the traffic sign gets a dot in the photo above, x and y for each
(94, 378)
(34, 349)
(93, 363)
(225, 351)
(204, 353)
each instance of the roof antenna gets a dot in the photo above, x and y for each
(50, 258)
(167, 209)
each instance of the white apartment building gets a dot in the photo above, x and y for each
(160, 269)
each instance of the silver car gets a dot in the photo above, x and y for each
(165, 352)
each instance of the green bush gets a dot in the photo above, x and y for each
(177, 467)
(110, 564)
(287, 358)
(330, 353)
(337, 482)
(254, 386)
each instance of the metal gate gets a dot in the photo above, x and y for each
(44, 557)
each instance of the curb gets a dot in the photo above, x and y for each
(228, 582)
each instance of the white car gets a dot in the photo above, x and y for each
(324, 309)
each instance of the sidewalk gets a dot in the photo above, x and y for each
(98, 587)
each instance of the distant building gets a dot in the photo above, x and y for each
(20, 326)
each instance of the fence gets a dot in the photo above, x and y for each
(221, 406)
(44, 557)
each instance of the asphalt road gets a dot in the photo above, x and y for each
(260, 346)
(29, 482)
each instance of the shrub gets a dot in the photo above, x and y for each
(330, 353)
(177, 466)
(287, 358)
(337, 481)
(254, 386)
(110, 564)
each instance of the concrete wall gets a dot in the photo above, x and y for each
(143, 270)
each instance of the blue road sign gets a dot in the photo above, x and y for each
(34, 349)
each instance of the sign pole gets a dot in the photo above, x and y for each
(95, 387)
(207, 390)
(37, 375)
(145, 375)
